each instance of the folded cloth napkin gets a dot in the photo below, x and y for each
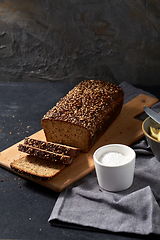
(135, 210)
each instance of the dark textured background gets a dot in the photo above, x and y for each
(61, 43)
(117, 40)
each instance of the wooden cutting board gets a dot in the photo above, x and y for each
(125, 130)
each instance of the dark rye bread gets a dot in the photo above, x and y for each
(44, 154)
(36, 167)
(83, 114)
(53, 147)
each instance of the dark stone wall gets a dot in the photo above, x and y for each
(116, 40)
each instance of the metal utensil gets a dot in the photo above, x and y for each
(155, 116)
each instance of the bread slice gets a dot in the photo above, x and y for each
(44, 154)
(53, 147)
(36, 167)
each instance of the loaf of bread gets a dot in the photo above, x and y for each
(36, 167)
(83, 114)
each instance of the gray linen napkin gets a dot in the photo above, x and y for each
(135, 210)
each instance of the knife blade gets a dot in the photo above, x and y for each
(155, 116)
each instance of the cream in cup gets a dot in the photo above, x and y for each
(114, 165)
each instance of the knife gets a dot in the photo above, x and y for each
(155, 116)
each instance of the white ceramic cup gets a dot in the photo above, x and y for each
(119, 177)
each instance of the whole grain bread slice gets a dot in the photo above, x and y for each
(44, 154)
(53, 147)
(36, 167)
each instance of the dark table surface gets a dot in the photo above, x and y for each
(26, 206)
